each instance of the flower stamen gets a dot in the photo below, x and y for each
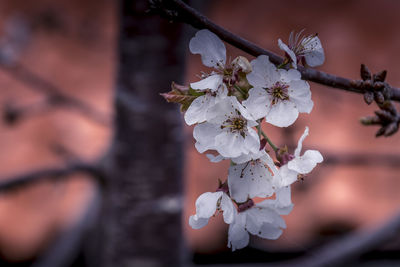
(279, 92)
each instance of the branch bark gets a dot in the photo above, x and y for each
(142, 219)
(177, 10)
(55, 97)
(53, 173)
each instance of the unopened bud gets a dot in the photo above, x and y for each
(365, 73)
(379, 85)
(380, 76)
(380, 132)
(368, 97)
(243, 63)
(370, 120)
(384, 115)
(379, 98)
(391, 129)
(367, 85)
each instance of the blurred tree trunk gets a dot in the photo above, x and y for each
(143, 198)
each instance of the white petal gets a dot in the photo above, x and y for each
(282, 114)
(289, 75)
(251, 179)
(315, 53)
(212, 82)
(206, 204)
(205, 133)
(261, 214)
(283, 196)
(300, 142)
(287, 176)
(258, 103)
(196, 223)
(304, 164)
(299, 93)
(270, 231)
(230, 145)
(215, 159)
(291, 54)
(229, 210)
(210, 47)
(252, 141)
(264, 73)
(237, 235)
(197, 111)
(247, 157)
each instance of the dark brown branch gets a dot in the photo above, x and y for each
(53, 173)
(177, 10)
(55, 97)
(350, 246)
(65, 249)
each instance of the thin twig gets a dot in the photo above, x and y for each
(54, 173)
(177, 10)
(55, 97)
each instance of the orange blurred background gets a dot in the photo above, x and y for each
(72, 44)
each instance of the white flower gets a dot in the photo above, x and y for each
(308, 48)
(278, 95)
(229, 132)
(198, 109)
(262, 219)
(206, 206)
(254, 178)
(217, 83)
(299, 164)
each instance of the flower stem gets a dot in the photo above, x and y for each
(240, 91)
(269, 141)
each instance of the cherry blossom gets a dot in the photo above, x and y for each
(218, 82)
(206, 206)
(229, 132)
(301, 47)
(262, 219)
(299, 164)
(278, 95)
(254, 178)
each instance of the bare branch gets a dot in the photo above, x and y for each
(177, 10)
(350, 246)
(53, 173)
(55, 97)
(69, 243)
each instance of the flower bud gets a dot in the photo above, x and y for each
(379, 98)
(368, 97)
(380, 76)
(370, 120)
(365, 73)
(243, 63)
(391, 129)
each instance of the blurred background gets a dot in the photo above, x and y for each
(72, 45)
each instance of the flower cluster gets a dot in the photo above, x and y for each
(227, 107)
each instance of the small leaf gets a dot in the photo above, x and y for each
(181, 94)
